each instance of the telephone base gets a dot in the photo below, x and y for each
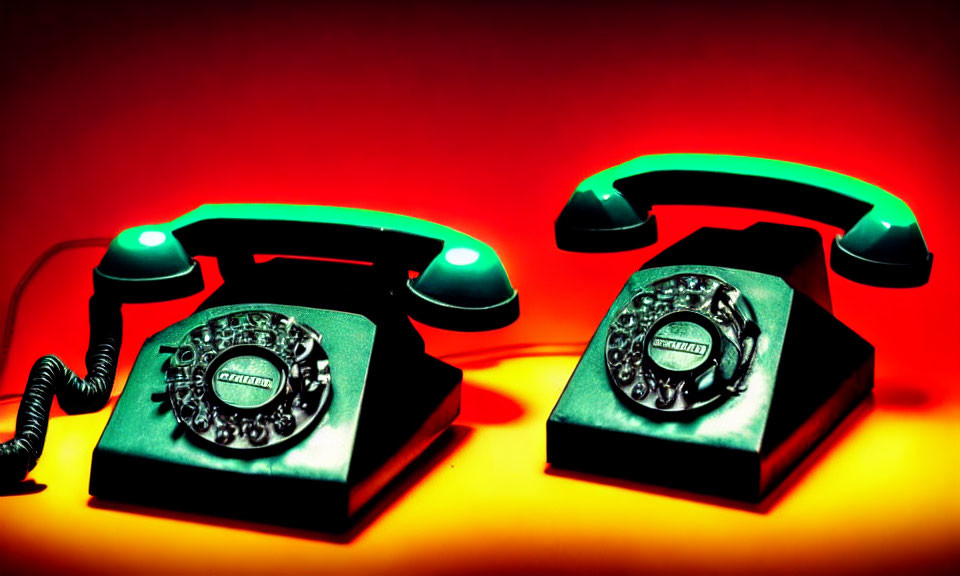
(142, 481)
(809, 372)
(378, 422)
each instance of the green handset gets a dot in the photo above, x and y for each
(719, 365)
(461, 284)
(882, 244)
(299, 380)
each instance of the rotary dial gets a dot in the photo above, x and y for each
(682, 343)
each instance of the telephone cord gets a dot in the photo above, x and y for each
(50, 377)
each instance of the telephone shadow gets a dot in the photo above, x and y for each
(904, 397)
(846, 427)
(439, 450)
(485, 407)
(491, 357)
(22, 488)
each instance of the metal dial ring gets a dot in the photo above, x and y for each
(681, 344)
(249, 380)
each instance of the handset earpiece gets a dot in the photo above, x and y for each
(461, 285)
(464, 288)
(147, 264)
(882, 244)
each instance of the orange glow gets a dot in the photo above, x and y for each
(879, 495)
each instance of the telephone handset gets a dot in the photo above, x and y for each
(298, 377)
(720, 365)
(882, 244)
(461, 283)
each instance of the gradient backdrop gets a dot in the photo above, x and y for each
(484, 117)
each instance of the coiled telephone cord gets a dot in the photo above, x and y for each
(50, 377)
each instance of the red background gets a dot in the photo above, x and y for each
(483, 118)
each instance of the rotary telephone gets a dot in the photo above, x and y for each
(720, 365)
(299, 388)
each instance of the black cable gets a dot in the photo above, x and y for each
(517, 350)
(50, 377)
